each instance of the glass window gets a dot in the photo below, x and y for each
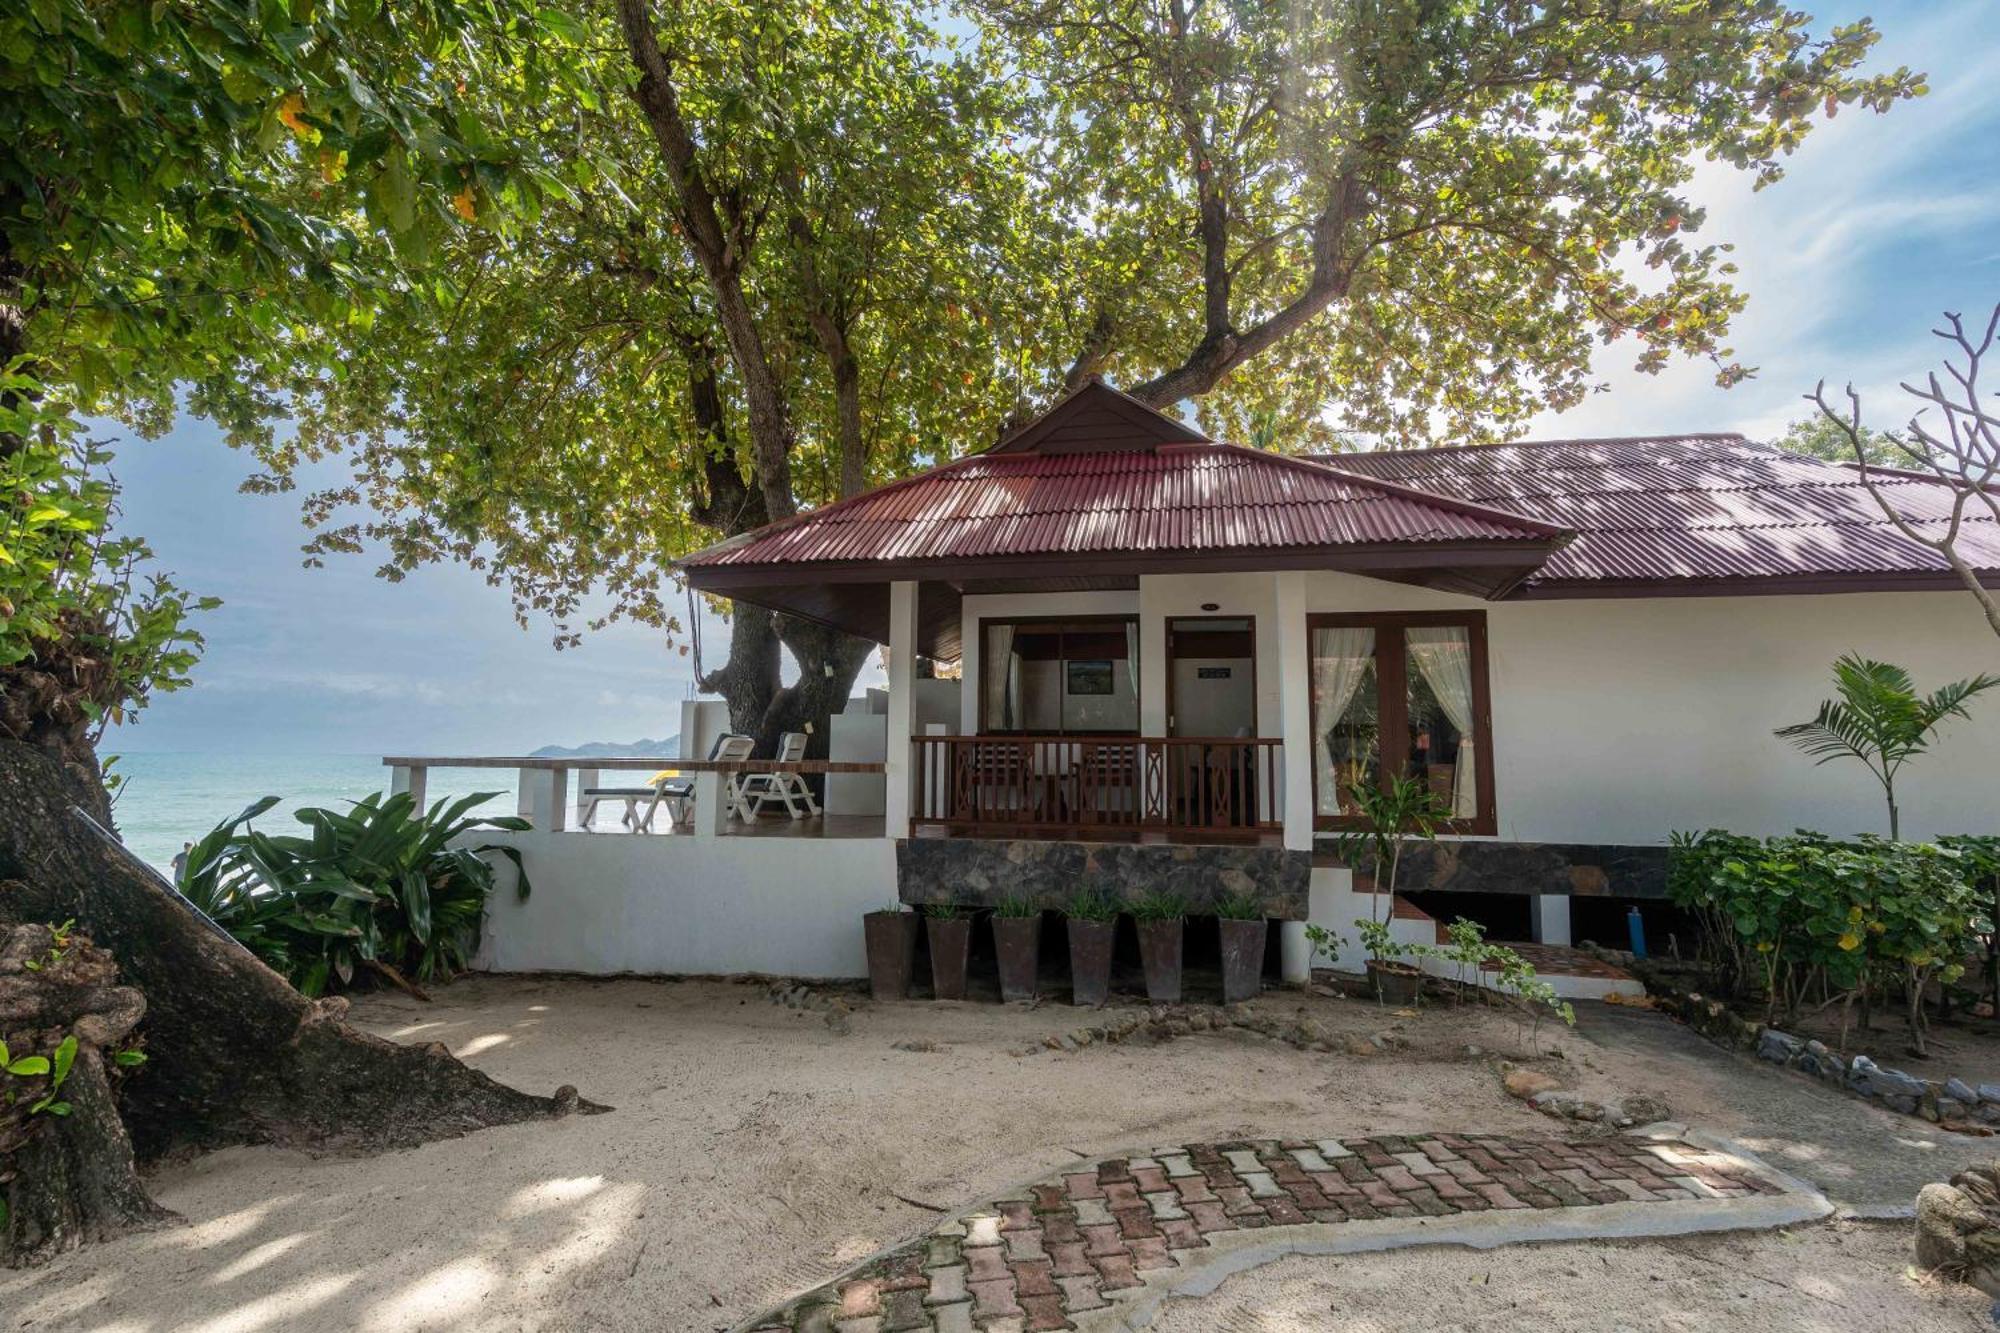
(1401, 694)
(1348, 716)
(1070, 677)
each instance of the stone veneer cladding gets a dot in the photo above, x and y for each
(982, 871)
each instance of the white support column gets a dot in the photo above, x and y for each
(711, 816)
(902, 708)
(1550, 916)
(411, 779)
(1295, 709)
(543, 799)
(1153, 604)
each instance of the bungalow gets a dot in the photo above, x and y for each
(1178, 655)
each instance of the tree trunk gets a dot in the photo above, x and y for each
(237, 1055)
(75, 1181)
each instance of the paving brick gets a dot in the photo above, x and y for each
(1192, 1189)
(1043, 1312)
(1115, 1272)
(865, 1324)
(1092, 1213)
(1182, 1235)
(1015, 1216)
(994, 1298)
(1102, 1240)
(1136, 1222)
(1499, 1196)
(1243, 1159)
(953, 1318)
(1059, 1228)
(982, 1229)
(941, 1252)
(1283, 1212)
(1177, 1165)
(1049, 1198)
(1397, 1177)
(1331, 1149)
(1149, 1179)
(904, 1272)
(1069, 1261)
(1166, 1205)
(1082, 1185)
(1080, 1293)
(1149, 1252)
(1209, 1217)
(948, 1285)
(986, 1262)
(1115, 1169)
(1121, 1194)
(1025, 1245)
(903, 1311)
(862, 1296)
(1034, 1277)
(1310, 1159)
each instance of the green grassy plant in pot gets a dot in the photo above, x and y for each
(951, 943)
(1017, 942)
(891, 934)
(1093, 924)
(1161, 919)
(1402, 810)
(1239, 920)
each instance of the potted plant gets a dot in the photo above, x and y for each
(1161, 919)
(1093, 923)
(951, 941)
(1239, 919)
(1402, 810)
(1017, 941)
(892, 951)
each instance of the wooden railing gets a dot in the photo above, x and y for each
(1103, 784)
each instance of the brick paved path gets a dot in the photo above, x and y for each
(1060, 1248)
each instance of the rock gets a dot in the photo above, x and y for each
(1525, 1083)
(1905, 1105)
(1643, 1110)
(1082, 1036)
(1359, 1046)
(1958, 1228)
(1472, 1052)
(1780, 1048)
(1960, 1091)
(1989, 1092)
(1950, 1108)
(1895, 1083)
(1989, 1113)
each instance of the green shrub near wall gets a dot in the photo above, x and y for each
(1807, 916)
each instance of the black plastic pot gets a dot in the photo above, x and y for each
(1395, 983)
(1160, 951)
(951, 941)
(892, 952)
(1017, 940)
(1242, 959)
(1090, 961)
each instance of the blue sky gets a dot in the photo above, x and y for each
(1881, 223)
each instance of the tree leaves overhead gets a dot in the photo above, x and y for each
(1414, 219)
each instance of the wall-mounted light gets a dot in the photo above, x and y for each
(1211, 606)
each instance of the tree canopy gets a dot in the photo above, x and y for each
(678, 269)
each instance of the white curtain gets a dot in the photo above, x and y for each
(1002, 678)
(1132, 657)
(1444, 655)
(1340, 658)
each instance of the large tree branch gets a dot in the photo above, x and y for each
(830, 321)
(720, 253)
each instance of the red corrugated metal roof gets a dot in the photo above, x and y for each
(1169, 498)
(1659, 509)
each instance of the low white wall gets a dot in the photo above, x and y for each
(611, 903)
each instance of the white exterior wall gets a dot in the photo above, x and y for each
(606, 904)
(1619, 721)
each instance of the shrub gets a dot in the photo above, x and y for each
(380, 887)
(1785, 917)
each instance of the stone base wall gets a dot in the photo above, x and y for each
(1580, 869)
(982, 871)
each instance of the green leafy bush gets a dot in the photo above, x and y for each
(1788, 918)
(380, 887)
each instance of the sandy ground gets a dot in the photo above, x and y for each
(754, 1152)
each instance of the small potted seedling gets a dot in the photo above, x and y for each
(1403, 810)
(1017, 941)
(891, 934)
(1093, 924)
(1239, 920)
(1161, 919)
(951, 941)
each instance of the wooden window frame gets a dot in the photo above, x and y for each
(1119, 618)
(1392, 683)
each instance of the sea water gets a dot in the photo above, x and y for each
(169, 800)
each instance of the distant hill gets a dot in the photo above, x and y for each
(611, 749)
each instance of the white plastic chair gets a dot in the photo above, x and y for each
(677, 794)
(756, 790)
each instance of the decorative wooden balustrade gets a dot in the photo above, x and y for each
(1097, 784)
